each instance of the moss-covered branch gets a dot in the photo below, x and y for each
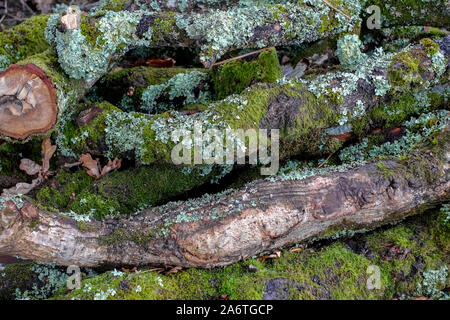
(313, 115)
(23, 40)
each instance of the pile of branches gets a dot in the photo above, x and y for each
(363, 132)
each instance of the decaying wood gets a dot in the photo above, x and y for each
(27, 102)
(217, 231)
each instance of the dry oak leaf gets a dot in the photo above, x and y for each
(92, 165)
(47, 153)
(111, 166)
(21, 188)
(30, 167)
(29, 211)
(94, 168)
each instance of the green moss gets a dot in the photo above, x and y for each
(412, 12)
(386, 171)
(114, 5)
(415, 33)
(15, 276)
(34, 223)
(442, 230)
(126, 191)
(114, 86)
(12, 153)
(91, 135)
(95, 205)
(162, 25)
(404, 71)
(66, 187)
(235, 76)
(430, 46)
(89, 29)
(24, 40)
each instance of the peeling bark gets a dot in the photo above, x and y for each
(219, 230)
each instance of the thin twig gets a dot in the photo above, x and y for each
(239, 57)
(338, 10)
(5, 13)
(325, 161)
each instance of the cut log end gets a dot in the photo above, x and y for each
(27, 102)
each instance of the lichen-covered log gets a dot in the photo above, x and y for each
(413, 262)
(415, 12)
(314, 116)
(394, 12)
(88, 49)
(222, 229)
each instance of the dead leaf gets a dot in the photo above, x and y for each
(275, 255)
(30, 167)
(92, 165)
(29, 211)
(21, 188)
(94, 168)
(47, 153)
(161, 63)
(111, 166)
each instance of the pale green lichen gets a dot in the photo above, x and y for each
(83, 60)
(433, 283)
(160, 98)
(417, 130)
(349, 52)
(220, 31)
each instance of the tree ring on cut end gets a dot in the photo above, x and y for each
(27, 102)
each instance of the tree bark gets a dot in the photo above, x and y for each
(219, 230)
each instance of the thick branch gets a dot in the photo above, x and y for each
(219, 230)
(313, 117)
(88, 52)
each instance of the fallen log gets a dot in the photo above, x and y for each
(315, 117)
(222, 229)
(91, 45)
(393, 12)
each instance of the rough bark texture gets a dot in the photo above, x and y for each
(217, 231)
